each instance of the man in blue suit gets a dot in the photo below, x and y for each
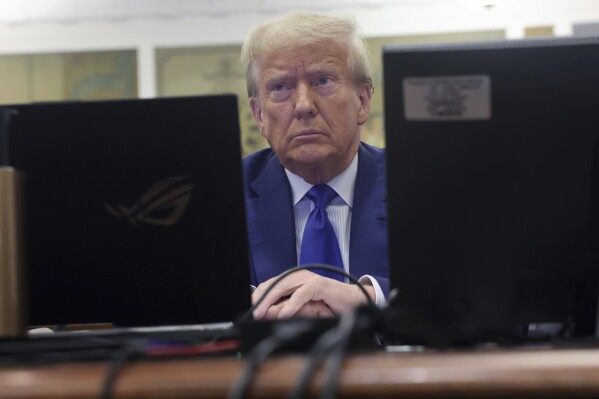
(310, 87)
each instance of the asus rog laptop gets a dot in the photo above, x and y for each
(134, 210)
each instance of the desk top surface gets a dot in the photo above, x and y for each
(482, 373)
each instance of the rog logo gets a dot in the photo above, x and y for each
(161, 205)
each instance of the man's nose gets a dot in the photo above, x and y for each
(304, 101)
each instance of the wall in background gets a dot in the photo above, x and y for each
(63, 49)
(68, 76)
(48, 26)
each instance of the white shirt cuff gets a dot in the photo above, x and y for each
(379, 297)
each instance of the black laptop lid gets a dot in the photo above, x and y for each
(134, 210)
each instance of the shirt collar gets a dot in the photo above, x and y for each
(343, 184)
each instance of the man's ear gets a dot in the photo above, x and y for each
(256, 109)
(364, 95)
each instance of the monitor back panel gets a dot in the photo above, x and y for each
(492, 180)
(134, 210)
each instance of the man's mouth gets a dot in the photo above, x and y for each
(306, 133)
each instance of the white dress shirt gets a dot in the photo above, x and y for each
(339, 211)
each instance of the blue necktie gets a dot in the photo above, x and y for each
(319, 244)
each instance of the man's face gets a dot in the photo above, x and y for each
(309, 110)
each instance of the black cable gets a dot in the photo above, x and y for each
(248, 314)
(332, 339)
(270, 344)
(346, 327)
(130, 349)
(259, 355)
(281, 336)
(317, 353)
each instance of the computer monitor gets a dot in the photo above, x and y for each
(134, 210)
(493, 178)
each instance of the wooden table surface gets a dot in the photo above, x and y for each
(489, 373)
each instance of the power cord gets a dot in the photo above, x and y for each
(345, 330)
(129, 351)
(334, 340)
(260, 353)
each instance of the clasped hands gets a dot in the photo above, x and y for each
(307, 294)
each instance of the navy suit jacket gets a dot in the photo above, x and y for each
(271, 225)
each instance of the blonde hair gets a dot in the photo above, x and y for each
(302, 29)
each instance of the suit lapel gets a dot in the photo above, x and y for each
(272, 234)
(368, 251)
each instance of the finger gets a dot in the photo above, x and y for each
(274, 296)
(257, 294)
(261, 289)
(273, 311)
(297, 300)
(283, 289)
(342, 298)
(269, 300)
(315, 309)
(261, 309)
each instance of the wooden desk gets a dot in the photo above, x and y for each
(514, 374)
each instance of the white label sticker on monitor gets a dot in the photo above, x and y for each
(447, 98)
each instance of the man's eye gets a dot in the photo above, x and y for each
(278, 87)
(323, 81)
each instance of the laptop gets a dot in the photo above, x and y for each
(134, 211)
